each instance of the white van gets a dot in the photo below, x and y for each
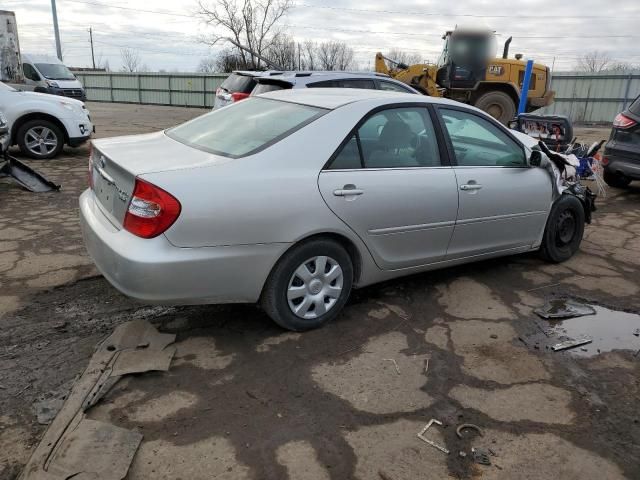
(47, 74)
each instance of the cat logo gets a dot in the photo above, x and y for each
(496, 70)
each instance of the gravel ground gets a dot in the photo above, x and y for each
(244, 399)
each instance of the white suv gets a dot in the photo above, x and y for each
(329, 79)
(41, 124)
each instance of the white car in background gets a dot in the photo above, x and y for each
(42, 124)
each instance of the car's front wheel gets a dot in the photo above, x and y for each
(564, 230)
(40, 139)
(309, 286)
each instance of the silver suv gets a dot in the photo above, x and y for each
(329, 79)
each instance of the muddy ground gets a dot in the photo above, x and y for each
(244, 399)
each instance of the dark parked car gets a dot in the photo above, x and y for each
(622, 153)
(237, 86)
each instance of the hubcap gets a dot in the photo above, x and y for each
(566, 228)
(315, 287)
(41, 140)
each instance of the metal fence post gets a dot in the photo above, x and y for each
(139, 89)
(170, 95)
(111, 87)
(626, 91)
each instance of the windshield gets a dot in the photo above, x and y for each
(245, 127)
(7, 88)
(55, 71)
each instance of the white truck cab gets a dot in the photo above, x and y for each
(41, 124)
(47, 74)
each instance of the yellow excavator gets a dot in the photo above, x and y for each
(469, 71)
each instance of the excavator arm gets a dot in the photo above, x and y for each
(420, 76)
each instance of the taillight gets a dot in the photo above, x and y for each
(151, 210)
(218, 91)
(622, 121)
(91, 166)
(604, 161)
(237, 96)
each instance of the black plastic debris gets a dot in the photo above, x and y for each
(564, 308)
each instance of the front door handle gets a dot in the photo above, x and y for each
(348, 191)
(470, 186)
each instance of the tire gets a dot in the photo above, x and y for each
(30, 133)
(497, 104)
(277, 302)
(615, 180)
(564, 230)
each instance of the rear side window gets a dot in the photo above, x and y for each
(238, 83)
(324, 84)
(267, 87)
(635, 107)
(393, 87)
(244, 127)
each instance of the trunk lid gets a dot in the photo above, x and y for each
(117, 161)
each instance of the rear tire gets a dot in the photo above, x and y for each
(40, 139)
(615, 180)
(325, 290)
(497, 104)
(564, 230)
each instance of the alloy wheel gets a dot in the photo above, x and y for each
(41, 140)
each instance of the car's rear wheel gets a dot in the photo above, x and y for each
(564, 230)
(616, 180)
(309, 286)
(40, 139)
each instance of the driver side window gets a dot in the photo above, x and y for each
(477, 142)
(393, 138)
(30, 72)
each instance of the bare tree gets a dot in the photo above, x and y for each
(131, 61)
(309, 55)
(208, 65)
(229, 60)
(334, 55)
(252, 23)
(401, 56)
(283, 51)
(594, 62)
(622, 67)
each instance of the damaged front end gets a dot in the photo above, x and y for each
(562, 170)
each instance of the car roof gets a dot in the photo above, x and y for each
(262, 73)
(40, 58)
(332, 98)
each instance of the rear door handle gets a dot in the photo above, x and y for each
(348, 192)
(470, 186)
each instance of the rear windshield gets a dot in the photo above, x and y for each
(267, 87)
(244, 127)
(635, 107)
(238, 83)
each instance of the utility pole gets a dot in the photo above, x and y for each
(93, 58)
(299, 58)
(55, 29)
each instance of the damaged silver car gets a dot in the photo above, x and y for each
(293, 198)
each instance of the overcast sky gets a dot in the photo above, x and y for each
(543, 29)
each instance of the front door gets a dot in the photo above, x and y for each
(503, 203)
(387, 183)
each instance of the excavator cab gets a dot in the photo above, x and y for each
(464, 58)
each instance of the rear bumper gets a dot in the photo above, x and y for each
(155, 271)
(623, 160)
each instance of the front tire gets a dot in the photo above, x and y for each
(615, 180)
(40, 139)
(564, 230)
(497, 104)
(309, 285)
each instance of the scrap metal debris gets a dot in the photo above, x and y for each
(75, 446)
(395, 364)
(564, 308)
(431, 442)
(481, 456)
(571, 344)
(468, 426)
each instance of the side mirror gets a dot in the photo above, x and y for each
(535, 159)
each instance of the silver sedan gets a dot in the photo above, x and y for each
(293, 198)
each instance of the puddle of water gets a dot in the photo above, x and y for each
(609, 329)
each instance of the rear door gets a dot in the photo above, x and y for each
(388, 183)
(503, 203)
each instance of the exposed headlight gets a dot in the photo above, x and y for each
(53, 84)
